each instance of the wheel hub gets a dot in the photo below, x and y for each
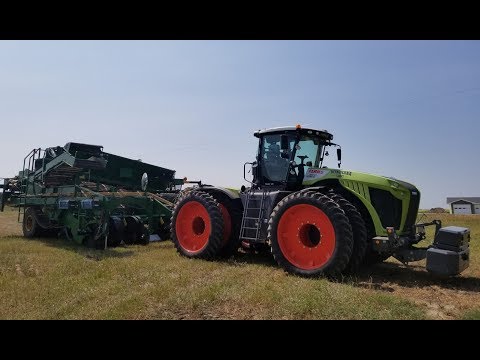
(309, 235)
(198, 226)
(306, 236)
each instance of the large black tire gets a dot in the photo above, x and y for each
(371, 257)
(232, 220)
(116, 231)
(303, 247)
(359, 231)
(30, 227)
(40, 227)
(197, 225)
(133, 230)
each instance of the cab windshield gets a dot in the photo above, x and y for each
(275, 165)
(311, 147)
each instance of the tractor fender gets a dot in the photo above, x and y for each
(315, 188)
(231, 193)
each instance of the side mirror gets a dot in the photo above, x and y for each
(339, 156)
(309, 163)
(284, 142)
(253, 170)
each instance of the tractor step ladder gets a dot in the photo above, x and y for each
(256, 217)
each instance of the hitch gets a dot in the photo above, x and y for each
(390, 243)
(400, 247)
(419, 229)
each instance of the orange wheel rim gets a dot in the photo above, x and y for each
(193, 227)
(227, 224)
(306, 236)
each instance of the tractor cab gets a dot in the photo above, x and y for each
(279, 169)
(283, 154)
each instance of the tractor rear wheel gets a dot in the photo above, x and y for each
(30, 227)
(232, 218)
(197, 225)
(359, 231)
(310, 235)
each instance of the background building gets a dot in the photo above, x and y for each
(464, 205)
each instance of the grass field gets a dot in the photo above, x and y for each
(54, 279)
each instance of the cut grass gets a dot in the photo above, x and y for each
(54, 279)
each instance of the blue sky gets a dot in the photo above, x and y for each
(407, 109)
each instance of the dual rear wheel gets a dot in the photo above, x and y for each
(206, 225)
(310, 233)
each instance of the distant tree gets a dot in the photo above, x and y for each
(438, 210)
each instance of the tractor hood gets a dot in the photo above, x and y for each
(398, 187)
(391, 202)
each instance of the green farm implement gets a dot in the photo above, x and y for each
(92, 197)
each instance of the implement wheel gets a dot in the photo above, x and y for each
(116, 231)
(30, 225)
(310, 235)
(197, 225)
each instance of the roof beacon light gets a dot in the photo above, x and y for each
(298, 126)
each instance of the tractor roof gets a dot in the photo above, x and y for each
(285, 129)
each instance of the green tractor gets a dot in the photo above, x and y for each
(316, 220)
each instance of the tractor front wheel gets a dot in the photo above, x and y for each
(359, 231)
(310, 235)
(197, 225)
